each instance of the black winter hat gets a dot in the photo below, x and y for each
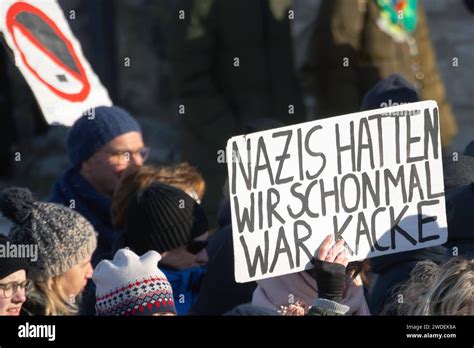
(9, 265)
(163, 218)
(394, 89)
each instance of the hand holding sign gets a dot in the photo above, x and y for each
(372, 178)
(336, 253)
(330, 269)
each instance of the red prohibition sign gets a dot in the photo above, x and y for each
(12, 23)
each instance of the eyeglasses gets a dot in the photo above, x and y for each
(10, 289)
(123, 157)
(195, 246)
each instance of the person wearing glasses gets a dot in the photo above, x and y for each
(64, 241)
(13, 282)
(166, 219)
(100, 145)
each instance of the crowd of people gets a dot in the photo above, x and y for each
(122, 238)
(118, 236)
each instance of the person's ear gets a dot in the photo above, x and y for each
(84, 166)
(87, 165)
(52, 283)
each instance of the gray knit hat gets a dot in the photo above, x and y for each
(64, 238)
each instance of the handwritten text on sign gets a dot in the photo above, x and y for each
(372, 178)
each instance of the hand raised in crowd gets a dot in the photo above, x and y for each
(330, 269)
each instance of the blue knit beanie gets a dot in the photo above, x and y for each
(394, 88)
(91, 132)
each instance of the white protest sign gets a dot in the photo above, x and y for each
(373, 178)
(51, 60)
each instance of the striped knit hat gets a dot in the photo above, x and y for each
(132, 285)
(163, 218)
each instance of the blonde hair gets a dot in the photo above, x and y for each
(438, 290)
(50, 294)
(136, 179)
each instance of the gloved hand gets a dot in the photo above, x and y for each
(330, 269)
(331, 280)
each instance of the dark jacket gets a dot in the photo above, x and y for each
(220, 292)
(459, 213)
(264, 82)
(34, 305)
(72, 188)
(218, 97)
